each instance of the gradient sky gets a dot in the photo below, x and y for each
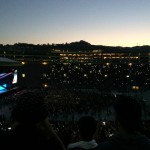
(99, 22)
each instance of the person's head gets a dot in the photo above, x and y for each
(128, 113)
(29, 108)
(87, 127)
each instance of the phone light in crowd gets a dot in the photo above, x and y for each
(85, 75)
(130, 64)
(111, 134)
(65, 75)
(106, 75)
(104, 123)
(9, 128)
(23, 75)
(44, 63)
(135, 88)
(45, 85)
(23, 63)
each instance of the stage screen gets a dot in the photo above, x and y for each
(8, 78)
(15, 77)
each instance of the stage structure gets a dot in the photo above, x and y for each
(9, 70)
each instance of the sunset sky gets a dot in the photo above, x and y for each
(99, 22)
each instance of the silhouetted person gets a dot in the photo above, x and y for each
(31, 128)
(87, 128)
(128, 114)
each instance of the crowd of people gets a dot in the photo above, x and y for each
(58, 118)
(88, 75)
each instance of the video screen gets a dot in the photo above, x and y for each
(8, 79)
(15, 77)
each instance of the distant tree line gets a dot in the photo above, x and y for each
(82, 46)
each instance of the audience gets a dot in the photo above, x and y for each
(31, 127)
(128, 124)
(36, 120)
(87, 128)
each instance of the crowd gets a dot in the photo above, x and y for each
(89, 75)
(62, 110)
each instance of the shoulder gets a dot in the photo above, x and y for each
(83, 145)
(73, 145)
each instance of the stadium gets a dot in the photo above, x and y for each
(75, 85)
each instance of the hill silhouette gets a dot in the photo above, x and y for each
(77, 46)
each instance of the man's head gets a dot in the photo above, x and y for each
(128, 113)
(87, 127)
(30, 107)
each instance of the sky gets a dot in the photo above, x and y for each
(99, 22)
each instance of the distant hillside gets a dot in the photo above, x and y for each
(79, 46)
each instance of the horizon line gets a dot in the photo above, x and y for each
(138, 45)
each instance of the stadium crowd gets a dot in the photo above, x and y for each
(65, 108)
